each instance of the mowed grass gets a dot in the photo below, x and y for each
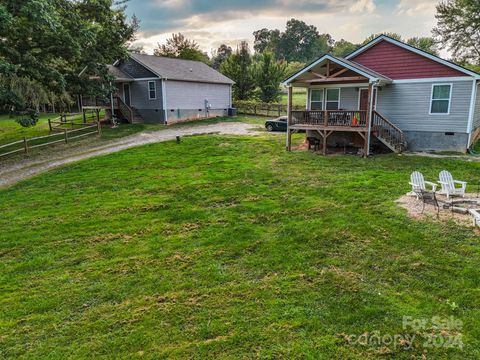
(230, 247)
(11, 131)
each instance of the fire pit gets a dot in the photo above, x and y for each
(465, 206)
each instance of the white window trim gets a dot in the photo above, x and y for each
(129, 93)
(339, 98)
(449, 99)
(154, 89)
(317, 101)
(375, 91)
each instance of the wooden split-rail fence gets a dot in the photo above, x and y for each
(263, 109)
(62, 131)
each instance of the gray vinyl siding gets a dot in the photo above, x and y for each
(408, 104)
(192, 95)
(476, 113)
(139, 95)
(135, 70)
(349, 98)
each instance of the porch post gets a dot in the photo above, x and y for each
(369, 119)
(289, 119)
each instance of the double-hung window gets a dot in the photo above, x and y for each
(316, 99)
(152, 90)
(441, 98)
(332, 101)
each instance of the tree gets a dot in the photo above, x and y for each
(266, 40)
(238, 67)
(268, 74)
(45, 45)
(302, 42)
(458, 29)
(293, 67)
(427, 44)
(389, 34)
(343, 47)
(221, 55)
(178, 46)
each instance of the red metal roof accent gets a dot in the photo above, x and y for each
(399, 63)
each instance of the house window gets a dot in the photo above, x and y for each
(333, 99)
(316, 99)
(152, 90)
(441, 97)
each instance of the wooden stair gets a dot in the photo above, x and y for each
(128, 113)
(388, 133)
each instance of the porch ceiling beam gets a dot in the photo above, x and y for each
(339, 73)
(318, 75)
(337, 79)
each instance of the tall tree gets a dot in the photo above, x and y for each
(458, 29)
(293, 67)
(238, 67)
(343, 47)
(302, 42)
(220, 55)
(44, 45)
(268, 74)
(266, 40)
(427, 44)
(178, 46)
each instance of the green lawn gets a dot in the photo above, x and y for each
(230, 247)
(11, 131)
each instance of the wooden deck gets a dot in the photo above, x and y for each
(334, 120)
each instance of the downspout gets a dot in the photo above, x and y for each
(471, 112)
(370, 112)
(112, 108)
(164, 99)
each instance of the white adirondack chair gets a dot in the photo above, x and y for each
(418, 183)
(448, 185)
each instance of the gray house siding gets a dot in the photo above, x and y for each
(408, 105)
(476, 113)
(150, 110)
(349, 98)
(186, 100)
(135, 70)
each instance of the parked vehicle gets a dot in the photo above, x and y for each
(278, 124)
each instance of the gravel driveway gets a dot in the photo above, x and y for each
(14, 171)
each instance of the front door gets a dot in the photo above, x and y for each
(126, 94)
(364, 98)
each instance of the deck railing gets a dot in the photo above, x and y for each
(348, 118)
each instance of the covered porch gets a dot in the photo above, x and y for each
(341, 98)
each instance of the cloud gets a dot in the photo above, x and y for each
(211, 23)
(362, 6)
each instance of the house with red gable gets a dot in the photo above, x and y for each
(387, 94)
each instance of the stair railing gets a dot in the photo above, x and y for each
(384, 129)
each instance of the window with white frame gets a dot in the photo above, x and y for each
(316, 99)
(440, 100)
(152, 90)
(332, 101)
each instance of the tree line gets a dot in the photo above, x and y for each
(280, 54)
(45, 46)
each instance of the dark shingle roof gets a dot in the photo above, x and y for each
(118, 74)
(179, 69)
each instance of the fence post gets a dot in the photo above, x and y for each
(279, 108)
(99, 128)
(25, 145)
(66, 135)
(49, 125)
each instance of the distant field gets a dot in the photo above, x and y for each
(299, 98)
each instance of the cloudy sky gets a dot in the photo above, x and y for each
(212, 22)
